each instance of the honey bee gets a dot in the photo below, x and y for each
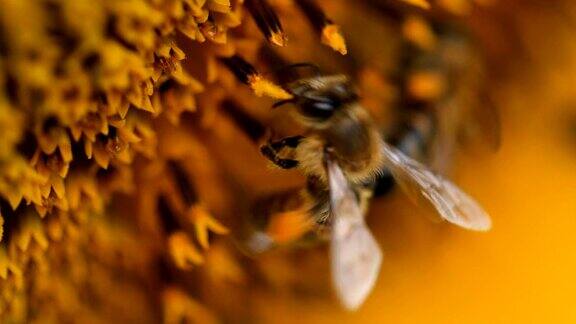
(341, 152)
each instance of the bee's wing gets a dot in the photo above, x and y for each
(474, 126)
(444, 140)
(355, 254)
(483, 124)
(451, 203)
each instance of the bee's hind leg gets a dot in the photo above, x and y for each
(271, 150)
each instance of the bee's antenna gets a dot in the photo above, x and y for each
(294, 66)
(284, 71)
(282, 102)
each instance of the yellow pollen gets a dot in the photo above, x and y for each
(424, 4)
(419, 32)
(279, 39)
(426, 85)
(289, 226)
(332, 37)
(263, 87)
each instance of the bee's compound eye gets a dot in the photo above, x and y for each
(318, 109)
(325, 106)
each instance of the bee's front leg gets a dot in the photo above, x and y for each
(271, 151)
(272, 155)
(291, 142)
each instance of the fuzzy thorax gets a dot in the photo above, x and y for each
(355, 143)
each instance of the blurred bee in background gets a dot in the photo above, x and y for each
(441, 99)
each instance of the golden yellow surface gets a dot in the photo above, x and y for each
(126, 173)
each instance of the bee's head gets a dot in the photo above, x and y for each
(319, 98)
